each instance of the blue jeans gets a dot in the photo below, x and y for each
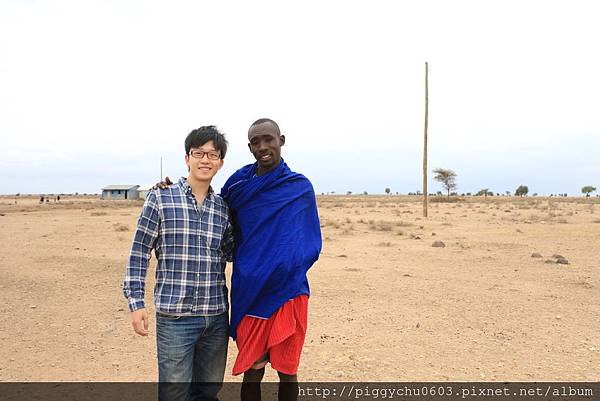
(192, 352)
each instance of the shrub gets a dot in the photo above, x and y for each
(121, 227)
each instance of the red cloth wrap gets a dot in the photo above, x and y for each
(282, 336)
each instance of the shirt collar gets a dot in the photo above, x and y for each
(187, 189)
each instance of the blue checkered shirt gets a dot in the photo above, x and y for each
(192, 244)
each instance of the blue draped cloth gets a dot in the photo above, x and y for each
(277, 236)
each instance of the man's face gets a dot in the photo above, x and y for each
(201, 162)
(265, 144)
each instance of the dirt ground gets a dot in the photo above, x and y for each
(386, 305)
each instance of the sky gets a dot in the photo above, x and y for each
(94, 93)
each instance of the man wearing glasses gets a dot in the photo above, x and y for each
(188, 227)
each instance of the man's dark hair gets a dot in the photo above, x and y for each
(200, 136)
(266, 120)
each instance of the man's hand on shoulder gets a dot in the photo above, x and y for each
(163, 184)
(139, 321)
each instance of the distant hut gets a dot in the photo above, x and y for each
(120, 192)
(143, 191)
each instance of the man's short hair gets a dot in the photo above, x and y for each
(266, 120)
(200, 136)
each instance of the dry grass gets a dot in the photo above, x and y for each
(382, 226)
(485, 267)
(533, 218)
(121, 227)
(347, 231)
(445, 199)
(99, 214)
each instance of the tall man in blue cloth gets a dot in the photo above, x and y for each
(277, 239)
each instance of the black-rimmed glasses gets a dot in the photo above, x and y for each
(199, 154)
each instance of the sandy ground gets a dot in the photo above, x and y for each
(385, 304)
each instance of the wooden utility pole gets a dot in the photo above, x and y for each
(425, 141)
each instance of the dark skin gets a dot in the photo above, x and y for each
(288, 386)
(265, 142)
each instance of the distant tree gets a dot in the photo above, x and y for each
(587, 190)
(365, 193)
(521, 190)
(485, 192)
(447, 178)
(387, 191)
(348, 192)
(507, 193)
(535, 194)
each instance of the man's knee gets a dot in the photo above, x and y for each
(287, 378)
(254, 375)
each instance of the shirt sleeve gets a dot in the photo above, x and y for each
(144, 241)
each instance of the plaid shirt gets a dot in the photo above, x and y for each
(192, 244)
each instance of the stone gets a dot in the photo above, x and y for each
(438, 244)
(536, 255)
